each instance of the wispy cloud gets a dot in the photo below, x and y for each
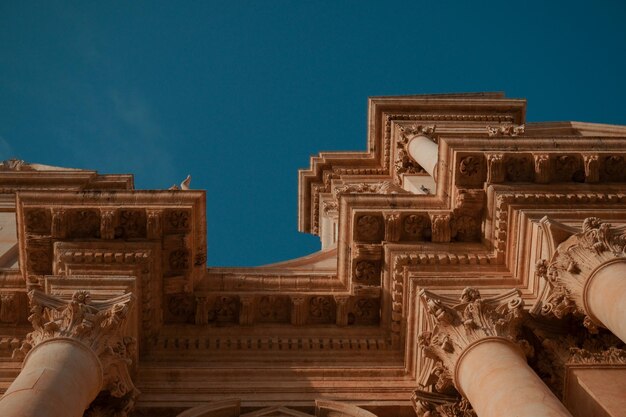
(135, 111)
(6, 151)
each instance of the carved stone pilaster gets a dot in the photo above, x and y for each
(246, 311)
(496, 171)
(59, 227)
(341, 302)
(107, 226)
(441, 228)
(298, 310)
(202, 310)
(97, 325)
(542, 168)
(392, 227)
(572, 265)
(458, 326)
(154, 223)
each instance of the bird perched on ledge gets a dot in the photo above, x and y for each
(183, 185)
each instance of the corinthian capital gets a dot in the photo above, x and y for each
(97, 325)
(573, 265)
(460, 324)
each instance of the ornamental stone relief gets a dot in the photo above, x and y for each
(457, 326)
(570, 267)
(367, 273)
(416, 227)
(369, 228)
(98, 326)
(519, 168)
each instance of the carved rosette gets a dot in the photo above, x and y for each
(573, 264)
(97, 325)
(457, 326)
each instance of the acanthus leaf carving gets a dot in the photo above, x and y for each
(97, 325)
(457, 326)
(571, 266)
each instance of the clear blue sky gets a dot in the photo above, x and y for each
(239, 93)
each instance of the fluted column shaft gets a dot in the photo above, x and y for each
(494, 376)
(605, 296)
(60, 378)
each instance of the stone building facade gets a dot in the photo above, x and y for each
(471, 264)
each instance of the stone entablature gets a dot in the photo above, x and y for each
(344, 322)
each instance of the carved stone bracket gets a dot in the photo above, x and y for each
(572, 265)
(506, 130)
(97, 325)
(457, 326)
(434, 404)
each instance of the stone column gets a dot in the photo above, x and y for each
(425, 152)
(75, 351)
(586, 275)
(477, 346)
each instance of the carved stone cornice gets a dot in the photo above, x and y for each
(99, 326)
(577, 348)
(573, 265)
(459, 326)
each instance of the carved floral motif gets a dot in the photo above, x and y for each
(470, 166)
(84, 223)
(416, 227)
(519, 169)
(465, 228)
(131, 224)
(367, 272)
(273, 309)
(321, 309)
(364, 311)
(614, 168)
(569, 168)
(37, 221)
(368, 227)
